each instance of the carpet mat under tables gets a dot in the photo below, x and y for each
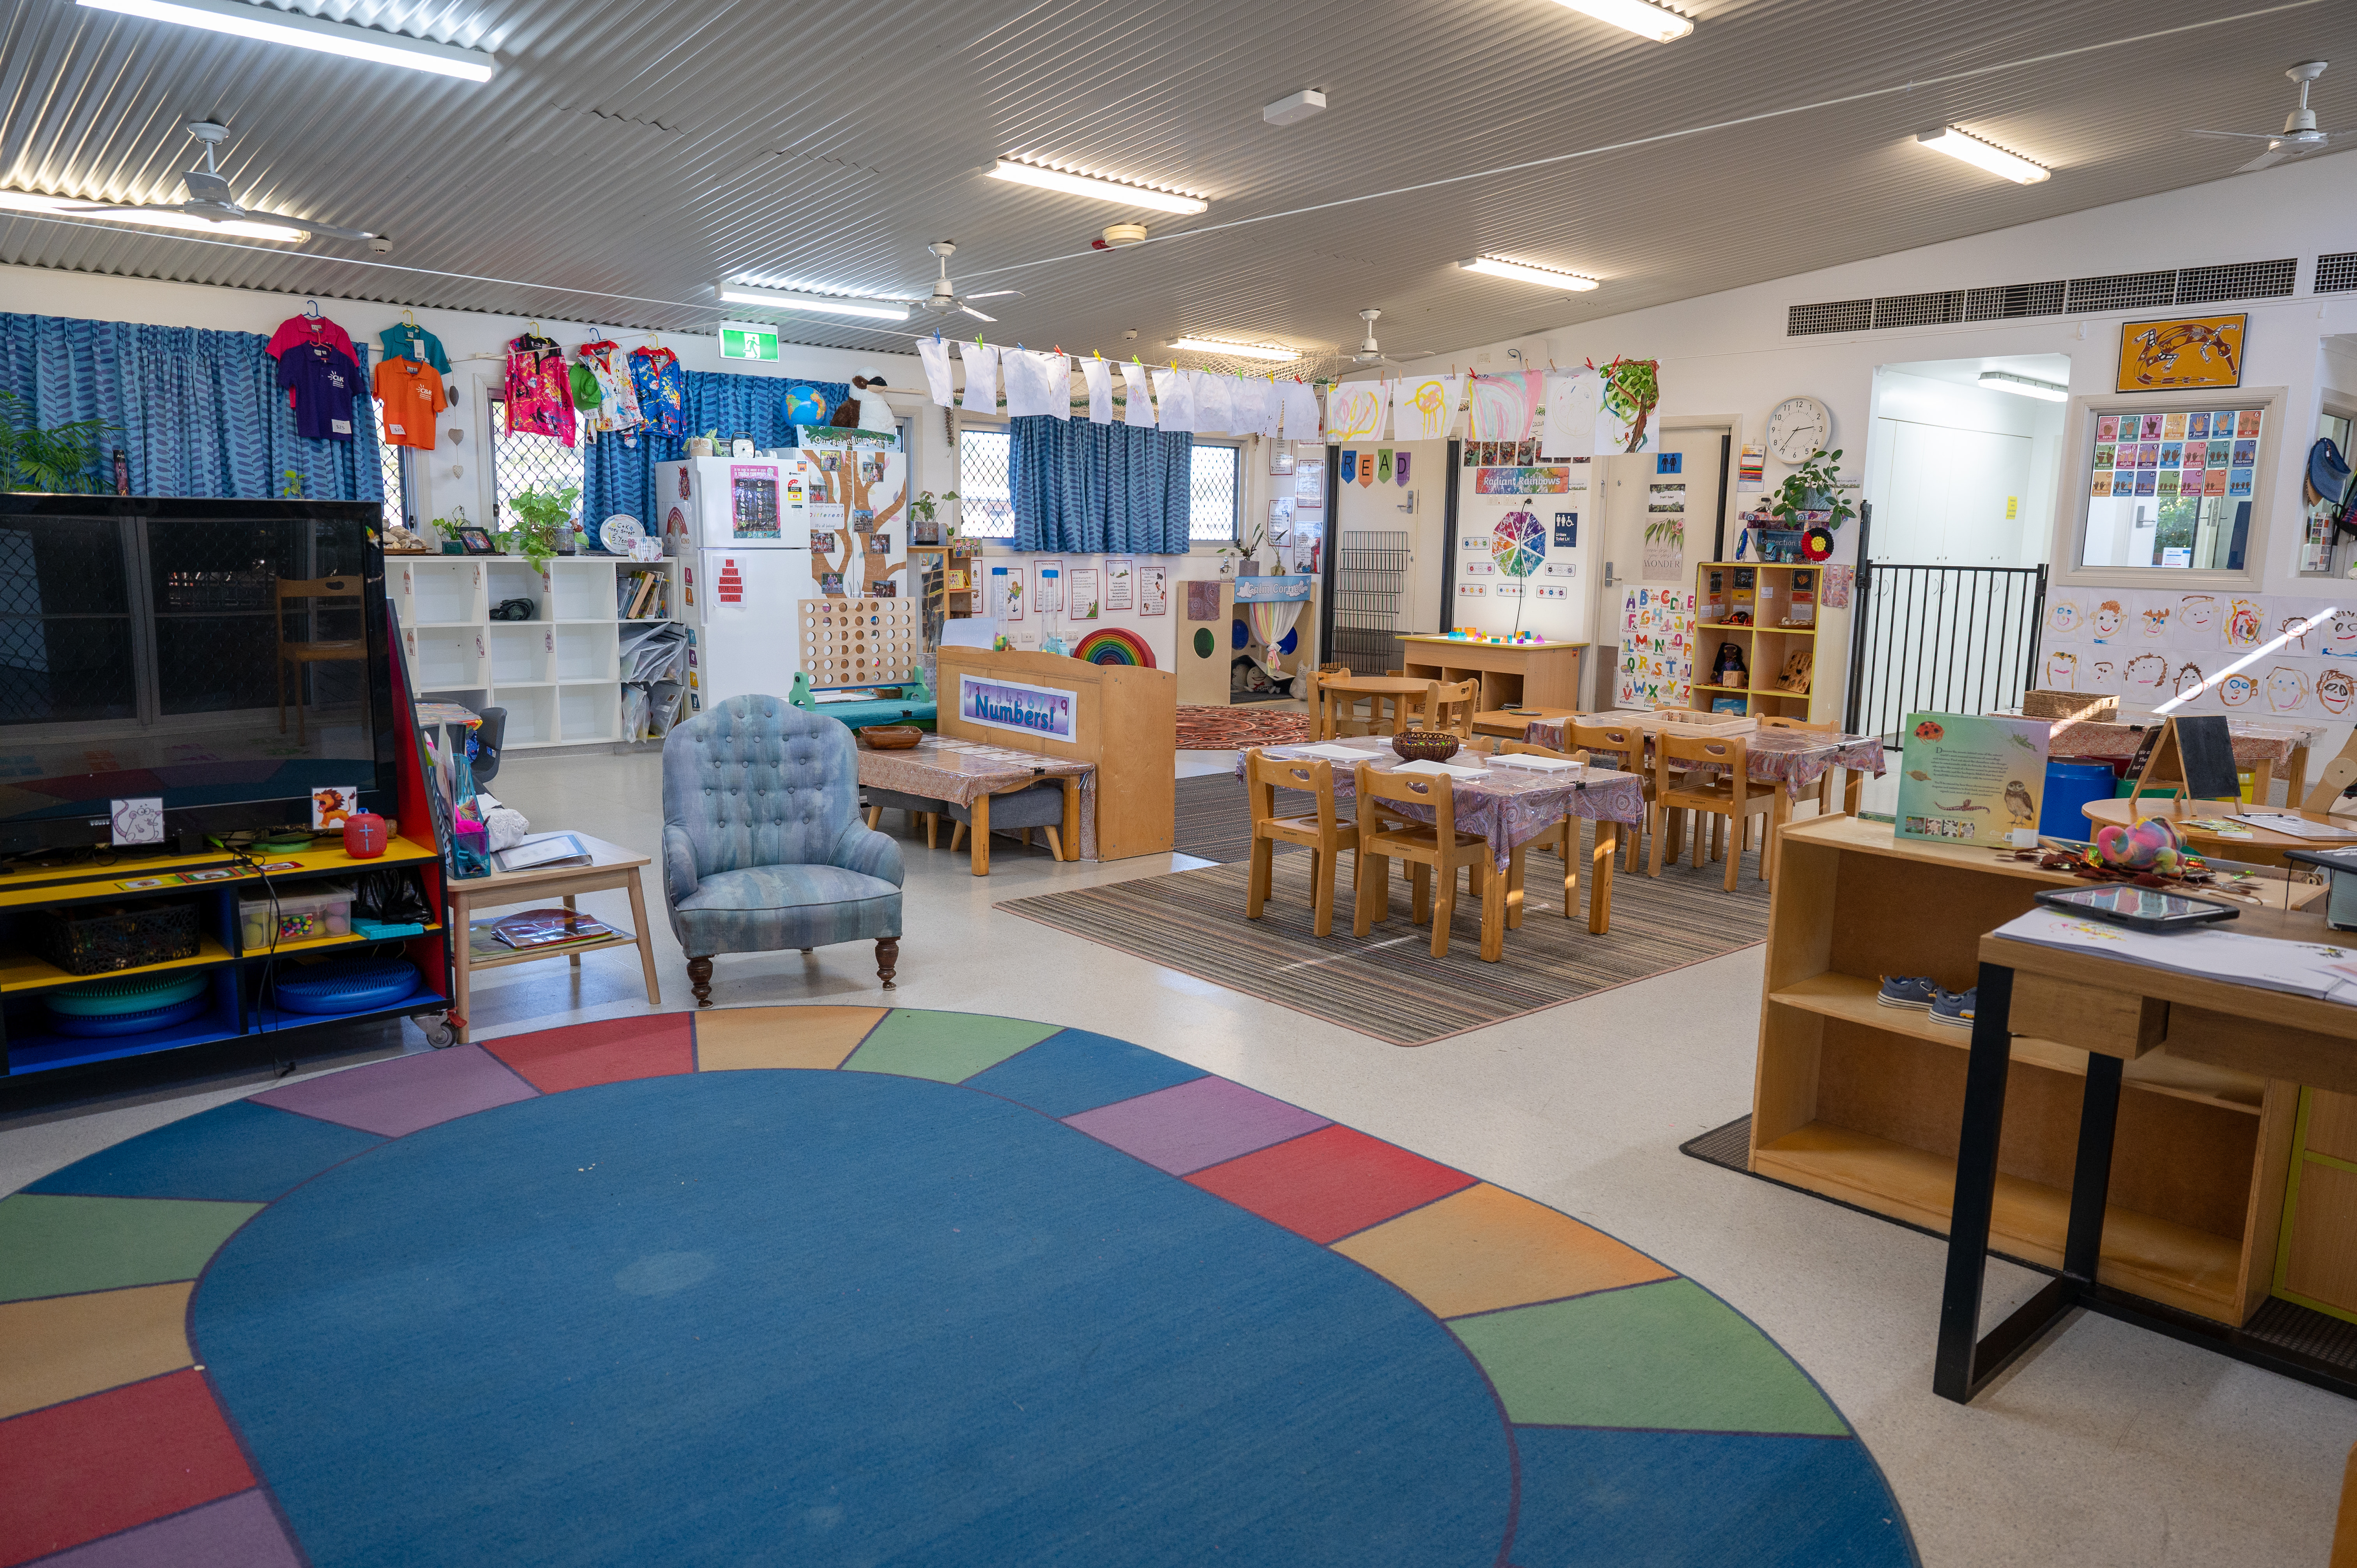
(1388, 984)
(1225, 729)
(838, 1286)
(1214, 818)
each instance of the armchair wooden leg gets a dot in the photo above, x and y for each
(887, 953)
(699, 980)
(874, 813)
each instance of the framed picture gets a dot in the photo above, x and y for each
(2174, 356)
(1280, 458)
(478, 542)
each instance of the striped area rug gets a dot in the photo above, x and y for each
(1214, 818)
(1389, 985)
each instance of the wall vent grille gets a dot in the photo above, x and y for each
(2007, 301)
(1839, 315)
(2237, 280)
(2336, 274)
(2122, 291)
(1920, 309)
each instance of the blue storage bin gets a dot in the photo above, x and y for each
(2069, 787)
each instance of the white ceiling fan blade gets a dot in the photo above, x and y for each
(977, 315)
(124, 207)
(2273, 156)
(995, 293)
(254, 215)
(2235, 135)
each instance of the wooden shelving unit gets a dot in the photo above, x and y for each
(1767, 640)
(1862, 1102)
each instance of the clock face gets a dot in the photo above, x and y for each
(1797, 427)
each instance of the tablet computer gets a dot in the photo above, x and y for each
(2141, 908)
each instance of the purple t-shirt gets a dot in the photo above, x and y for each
(324, 382)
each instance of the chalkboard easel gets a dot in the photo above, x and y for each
(2194, 758)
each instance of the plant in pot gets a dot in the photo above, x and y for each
(61, 459)
(927, 529)
(1810, 488)
(1247, 557)
(544, 520)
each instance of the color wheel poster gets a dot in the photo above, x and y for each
(1965, 779)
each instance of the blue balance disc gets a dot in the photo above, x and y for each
(110, 998)
(90, 1024)
(347, 985)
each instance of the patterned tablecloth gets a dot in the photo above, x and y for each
(1508, 806)
(1795, 758)
(2254, 742)
(941, 768)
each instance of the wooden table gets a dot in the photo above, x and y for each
(1509, 723)
(2117, 1011)
(2262, 848)
(1528, 675)
(611, 865)
(968, 773)
(1335, 692)
(2258, 744)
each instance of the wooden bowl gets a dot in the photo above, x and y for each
(891, 737)
(1423, 745)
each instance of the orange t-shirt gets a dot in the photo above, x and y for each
(412, 395)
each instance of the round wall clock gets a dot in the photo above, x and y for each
(1797, 427)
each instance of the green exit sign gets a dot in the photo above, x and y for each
(748, 340)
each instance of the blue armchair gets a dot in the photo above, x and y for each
(763, 848)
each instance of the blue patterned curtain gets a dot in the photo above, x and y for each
(198, 413)
(615, 475)
(1095, 490)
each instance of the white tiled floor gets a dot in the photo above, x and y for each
(2108, 1446)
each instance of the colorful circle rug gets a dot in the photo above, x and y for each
(837, 1286)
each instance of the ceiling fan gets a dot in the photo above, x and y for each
(945, 296)
(2300, 136)
(209, 197)
(1369, 354)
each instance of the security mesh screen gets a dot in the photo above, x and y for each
(527, 462)
(392, 467)
(1214, 493)
(986, 494)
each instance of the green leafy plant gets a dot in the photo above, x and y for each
(62, 458)
(1812, 486)
(544, 519)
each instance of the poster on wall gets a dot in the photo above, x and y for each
(1657, 642)
(1310, 484)
(1042, 711)
(1082, 595)
(1154, 591)
(1121, 582)
(2273, 657)
(1968, 779)
(1007, 594)
(1048, 586)
(2172, 356)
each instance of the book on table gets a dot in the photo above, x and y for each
(541, 852)
(548, 927)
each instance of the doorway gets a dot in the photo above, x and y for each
(1962, 473)
(1662, 512)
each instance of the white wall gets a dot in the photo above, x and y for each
(1946, 405)
(1729, 351)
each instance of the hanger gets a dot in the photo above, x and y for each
(409, 318)
(311, 308)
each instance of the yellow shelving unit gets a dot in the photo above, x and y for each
(1771, 594)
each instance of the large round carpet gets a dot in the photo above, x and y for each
(837, 1286)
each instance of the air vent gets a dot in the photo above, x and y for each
(2336, 274)
(2122, 291)
(1840, 316)
(1920, 309)
(2005, 301)
(2237, 280)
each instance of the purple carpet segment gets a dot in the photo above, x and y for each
(398, 1096)
(241, 1530)
(1191, 1125)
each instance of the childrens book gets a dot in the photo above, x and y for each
(1968, 779)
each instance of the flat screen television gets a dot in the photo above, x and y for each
(148, 651)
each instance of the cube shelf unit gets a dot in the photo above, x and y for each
(1862, 1102)
(1766, 645)
(558, 675)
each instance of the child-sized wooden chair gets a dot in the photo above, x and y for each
(1825, 780)
(1448, 706)
(1324, 834)
(1336, 714)
(1386, 834)
(1626, 745)
(1562, 838)
(1726, 798)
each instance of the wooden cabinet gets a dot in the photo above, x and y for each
(1512, 674)
(1863, 1102)
(2317, 1265)
(1770, 614)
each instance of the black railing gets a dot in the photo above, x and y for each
(1950, 639)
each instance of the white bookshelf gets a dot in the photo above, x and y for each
(558, 675)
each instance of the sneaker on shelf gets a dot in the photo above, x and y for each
(1914, 990)
(1954, 1007)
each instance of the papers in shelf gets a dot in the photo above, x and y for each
(2304, 969)
(2295, 827)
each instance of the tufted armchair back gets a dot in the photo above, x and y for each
(757, 781)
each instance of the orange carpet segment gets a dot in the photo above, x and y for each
(1485, 1247)
(1326, 1184)
(727, 1038)
(64, 1347)
(81, 1470)
(555, 1060)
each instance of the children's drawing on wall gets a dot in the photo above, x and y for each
(2108, 617)
(2341, 638)
(2335, 689)
(2155, 619)
(2148, 674)
(2196, 612)
(2104, 677)
(2242, 624)
(2287, 690)
(2063, 672)
(2293, 633)
(2062, 618)
(2188, 679)
(2235, 689)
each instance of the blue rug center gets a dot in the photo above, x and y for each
(829, 1318)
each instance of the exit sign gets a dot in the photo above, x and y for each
(748, 340)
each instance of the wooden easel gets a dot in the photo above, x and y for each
(2165, 769)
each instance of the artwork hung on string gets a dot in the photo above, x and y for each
(1504, 408)
(1423, 407)
(1567, 425)
(1354, 411)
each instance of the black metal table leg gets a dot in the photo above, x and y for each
(1976, 1195)
(2091, 1177)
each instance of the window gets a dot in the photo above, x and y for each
(2173, 489)
(393, 464)
(526, 461)
(985, 498)
(1215, 489)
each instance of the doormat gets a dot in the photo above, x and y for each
(1389, 985)
(1214, 818)
(1227, 729)
(2286, 1325)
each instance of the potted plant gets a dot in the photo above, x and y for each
(59, 459)
(544, 518)
(1812, 487)
(1246, 558)
(928, 529)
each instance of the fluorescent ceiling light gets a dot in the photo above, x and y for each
(77, 206)
(1981, 155)
(302, 32)
(1551, 276)
(1102, 190)
(2024, 386)
(1645, 21)
(876, 309)
(1240, 350)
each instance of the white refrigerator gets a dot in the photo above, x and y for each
(756, 537)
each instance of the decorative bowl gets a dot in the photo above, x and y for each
(891, 737)
(1426, 746)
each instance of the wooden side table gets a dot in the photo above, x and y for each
(611, 865)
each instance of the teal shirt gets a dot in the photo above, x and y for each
(401, 342)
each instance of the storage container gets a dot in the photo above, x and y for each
(84, 941)
(321, 909)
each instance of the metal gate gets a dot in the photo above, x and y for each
(1370, 573)
(1950, 639)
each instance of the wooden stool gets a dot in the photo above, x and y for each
(1324, 835)
(1437, 848)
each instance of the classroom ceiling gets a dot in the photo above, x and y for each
(630, 154)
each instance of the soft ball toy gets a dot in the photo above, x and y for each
(2152, 845)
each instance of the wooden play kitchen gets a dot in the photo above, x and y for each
(1767, 614)
(1864, 1103)
(1515, 674)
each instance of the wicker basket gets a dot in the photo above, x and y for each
(123, 936)
(890, 737)
(2045, 702)
(1426, 745)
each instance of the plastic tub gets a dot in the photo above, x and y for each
(2069, 787)
(322, 909)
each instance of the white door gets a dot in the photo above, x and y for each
(1945, 497)
(1660, 511)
